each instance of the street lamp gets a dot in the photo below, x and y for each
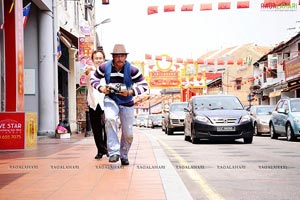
(103, 22)
(108, 20)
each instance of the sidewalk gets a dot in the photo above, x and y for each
(63, 169)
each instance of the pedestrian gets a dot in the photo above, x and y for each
(96, 105)
(122, 82)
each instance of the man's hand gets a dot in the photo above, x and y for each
(125, 93)
(104, 89)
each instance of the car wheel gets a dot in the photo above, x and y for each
(272, 132)
(186, 137)
(169, 131)
(256, 133)
(194, 140)
(290, 133)
(248, 140)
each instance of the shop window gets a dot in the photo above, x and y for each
(273, 73)
(238, 84)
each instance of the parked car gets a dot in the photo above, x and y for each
(141, 121)
(173, 120)
(155, 120)
(285, 119)
(217, 117)
(261, 115)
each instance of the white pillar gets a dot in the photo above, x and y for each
(47, 118)
(72, 89)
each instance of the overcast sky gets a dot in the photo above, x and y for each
(189, 34)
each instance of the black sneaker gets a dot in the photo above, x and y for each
(124, 161)
(99, 156)
(114, 158)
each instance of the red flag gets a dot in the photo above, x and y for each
(224, 5)
(243, 4)
(188, 7)
(206, 6)
(169, 59)
(189, 61)
(152, 10)
(26, 10)
(179, 60)
(158, 57)
(148, 56)
(169, 8)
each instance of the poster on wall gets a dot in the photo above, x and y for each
(12, 130)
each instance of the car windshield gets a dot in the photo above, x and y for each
(177, 107)
(295, 105)
(156, 117)
(216, 103)
(264, 110)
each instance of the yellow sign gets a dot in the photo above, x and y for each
(31, 130)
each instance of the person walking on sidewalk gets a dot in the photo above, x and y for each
(96, 105)
(122, 82)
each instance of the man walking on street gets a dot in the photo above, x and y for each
(122, 82)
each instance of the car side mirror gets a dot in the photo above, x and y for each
(186, 110)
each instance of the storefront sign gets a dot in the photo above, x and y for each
(292, 68)
(12, 131)
(164, 79)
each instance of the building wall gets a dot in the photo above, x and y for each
(31, 63)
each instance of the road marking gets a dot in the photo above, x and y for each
(209, 192)
(172, 183)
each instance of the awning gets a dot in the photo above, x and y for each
(72, 39)
(275, 93)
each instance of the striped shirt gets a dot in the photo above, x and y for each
(139, 86)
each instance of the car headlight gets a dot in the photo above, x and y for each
(246, 118)
(202, 119)
(297, 120)
(263, 121)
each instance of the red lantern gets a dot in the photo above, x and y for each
(230, 62)
(105, 2)
(211, 62)
(220, 62)
(240, 61)
(200, 61)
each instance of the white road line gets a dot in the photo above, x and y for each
(209, 192)
(172, 183)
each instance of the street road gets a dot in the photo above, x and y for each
(265, 169)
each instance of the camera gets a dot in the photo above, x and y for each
(114, 88)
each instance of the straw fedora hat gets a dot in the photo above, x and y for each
(119, 49)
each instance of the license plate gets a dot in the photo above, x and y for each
(225, 128)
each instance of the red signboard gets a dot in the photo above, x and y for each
(12, 130)
(86, 46)
(167, 79)
(292, 68)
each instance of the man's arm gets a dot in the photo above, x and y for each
(140, 84)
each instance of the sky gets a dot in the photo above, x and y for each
(189, 34)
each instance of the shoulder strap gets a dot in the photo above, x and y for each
(127, 75)
(107, 71)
